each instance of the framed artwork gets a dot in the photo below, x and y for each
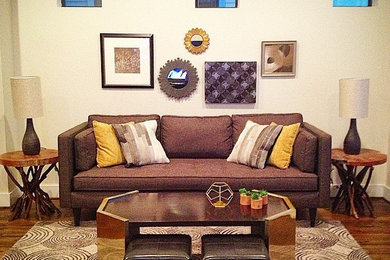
(81, 3)
(230, 82)
(352, 3)
(216, 3)
(278, 58)
(127, 60)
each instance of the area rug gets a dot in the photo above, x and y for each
(61, 240)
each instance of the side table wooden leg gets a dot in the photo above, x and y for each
(44, 205)
(337, 199)
(24, 203)
(351, 193)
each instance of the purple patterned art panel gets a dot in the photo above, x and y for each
(230, 82)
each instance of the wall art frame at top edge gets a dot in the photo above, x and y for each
(81, 3)
(278, 58)
(216, 3)
(127, 60)
(352, 3)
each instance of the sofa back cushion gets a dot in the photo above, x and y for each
(239, 121)
(196, 137)
(121, 119)
(305, 151)
(85, 150)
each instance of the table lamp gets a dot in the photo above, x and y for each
(353, 103)
(27, 103)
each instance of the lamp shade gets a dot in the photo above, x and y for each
(353, 97)
(26, 96)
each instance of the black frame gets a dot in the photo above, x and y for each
(123, 35)
(98, 3)
(197, 5)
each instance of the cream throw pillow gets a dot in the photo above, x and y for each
(253, 144)
(139, 143)
(108, 149)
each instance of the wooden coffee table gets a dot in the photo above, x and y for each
(120, 217)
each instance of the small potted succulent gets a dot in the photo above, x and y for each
(264, 196)
(256, 201)
(245, 196)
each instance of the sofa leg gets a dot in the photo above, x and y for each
(313, 215)
(76, 216)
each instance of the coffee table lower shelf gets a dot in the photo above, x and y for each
(120, 217)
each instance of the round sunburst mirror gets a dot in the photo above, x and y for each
(178, 78)
(196, 41)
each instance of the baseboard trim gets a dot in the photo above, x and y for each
(52, 190)
(373, 190)
(5, 199)
(386, 194)
(9, 198)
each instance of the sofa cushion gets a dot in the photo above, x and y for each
(194, 174)
(254, 143)
(139, 143)
(305, 151)
(239, 121)
(196, 137)
(121, 119)
(85, 150)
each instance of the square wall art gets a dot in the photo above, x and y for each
(230, 82)
(216, 3)
(278, 58)
(126, 60)
(352, 3)
(81, 3)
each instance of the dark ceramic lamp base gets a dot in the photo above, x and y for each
(352, 139)
(30, 143)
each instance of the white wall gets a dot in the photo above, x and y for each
(6, 70)
(62, 46)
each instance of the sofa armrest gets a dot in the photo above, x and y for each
(324, 164)
(66, 156)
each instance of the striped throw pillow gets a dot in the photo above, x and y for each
(254, 143)
(139, 143)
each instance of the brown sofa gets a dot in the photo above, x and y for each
(197, 148)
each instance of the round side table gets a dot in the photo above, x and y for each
(31, 180)
(352, 192)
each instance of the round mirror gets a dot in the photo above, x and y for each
(178, 78)
(196, 41)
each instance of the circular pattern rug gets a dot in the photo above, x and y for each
(62, 240)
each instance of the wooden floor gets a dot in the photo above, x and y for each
(373, 234)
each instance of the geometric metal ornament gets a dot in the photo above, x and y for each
(219, 194)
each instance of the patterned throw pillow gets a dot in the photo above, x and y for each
(253, 144)
(139, 143)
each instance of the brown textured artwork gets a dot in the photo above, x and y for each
(278, 59)
(127, 60)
